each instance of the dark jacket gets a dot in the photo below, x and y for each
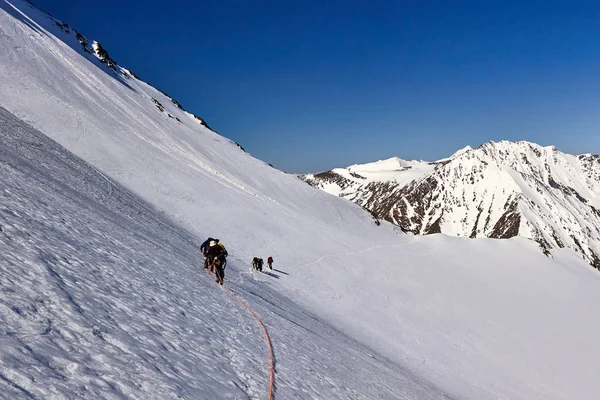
(218, 250)
(204, 246)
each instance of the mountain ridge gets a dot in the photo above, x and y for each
(497, 190)
(94, 51)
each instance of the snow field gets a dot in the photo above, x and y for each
(103, 297)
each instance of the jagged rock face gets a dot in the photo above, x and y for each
(498, 190)
(324, 179)
(103, 56)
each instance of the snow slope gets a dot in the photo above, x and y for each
(106, 229)
(101, 297)
(110, 120)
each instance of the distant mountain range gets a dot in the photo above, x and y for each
(498, 190)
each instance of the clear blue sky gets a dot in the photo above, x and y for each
(310, 85)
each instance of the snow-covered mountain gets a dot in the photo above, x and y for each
(346, 182)
(349, 182)
(107, 187)
(498, 190)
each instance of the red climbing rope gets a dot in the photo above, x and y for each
(272, 379)
(272, 358)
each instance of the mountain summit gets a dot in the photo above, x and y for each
(498, 190)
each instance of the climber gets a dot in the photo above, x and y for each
(204, 249)
(217, 259)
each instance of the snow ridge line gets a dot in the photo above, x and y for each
(267, 337)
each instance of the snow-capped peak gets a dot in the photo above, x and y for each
(461, 151)
(386, 165)
(456, 154)
(500, 189)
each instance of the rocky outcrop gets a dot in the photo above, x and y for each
(103, 56)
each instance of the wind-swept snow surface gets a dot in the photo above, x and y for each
(101, 293)
(101, 297)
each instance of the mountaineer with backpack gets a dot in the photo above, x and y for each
(217, 259)
(270, 262)
(204, 250)
(257, 263)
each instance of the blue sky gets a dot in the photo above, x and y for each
(311, 85)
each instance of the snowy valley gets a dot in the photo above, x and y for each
(108, 187)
